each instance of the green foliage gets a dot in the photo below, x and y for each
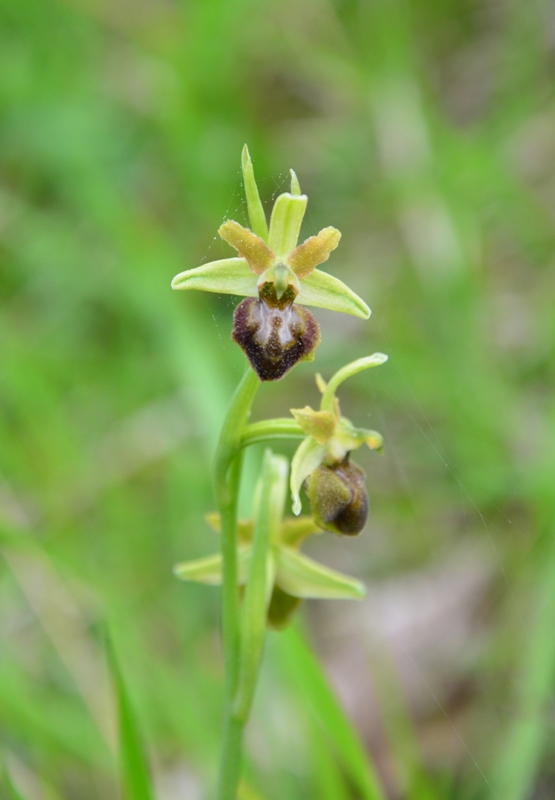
(135, 779)
(11, 792)
(423, 131)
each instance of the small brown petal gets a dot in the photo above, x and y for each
(318, 424)
(315, 250)
(274, 338)
(251, 247)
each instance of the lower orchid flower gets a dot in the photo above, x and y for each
(292, 576)
(335, 485)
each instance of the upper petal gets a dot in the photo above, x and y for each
(251, 247)
(226, 276)
(324, 291)
(313, 251)
(318, 424)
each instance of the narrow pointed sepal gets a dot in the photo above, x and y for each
(209, 570)
(313, 252)
(302, 577)
(308, 457)
(257, 217)
(251, 247)
(324, 291)
(226, 276)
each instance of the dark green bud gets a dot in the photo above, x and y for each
(281, 609)
(274, 333)
(338, 497)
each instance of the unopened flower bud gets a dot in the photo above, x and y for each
(338, 497)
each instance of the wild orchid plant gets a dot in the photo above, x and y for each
(263, 574)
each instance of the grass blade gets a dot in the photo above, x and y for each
(135, 777)
(11, 792)
(305, 672)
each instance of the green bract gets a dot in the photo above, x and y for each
(271, 256)
(330, 436)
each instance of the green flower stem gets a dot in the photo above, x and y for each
(271, 429)
(230, 765)
(227, 480)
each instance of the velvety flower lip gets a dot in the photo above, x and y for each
(272, 255)
(330, 438)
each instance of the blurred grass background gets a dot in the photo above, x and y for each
(425, 131)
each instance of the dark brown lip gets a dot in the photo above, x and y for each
(274, 334)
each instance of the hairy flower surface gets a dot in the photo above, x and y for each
(278, 277)
(335, 485)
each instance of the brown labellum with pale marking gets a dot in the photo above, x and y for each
(274, 334)
(338, 497)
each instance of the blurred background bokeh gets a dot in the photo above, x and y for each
(425, 131)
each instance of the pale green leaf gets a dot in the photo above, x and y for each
(285, 224)
(257, 217)
(322, 290)
(302, 577)
(226, 276)
(308, 457)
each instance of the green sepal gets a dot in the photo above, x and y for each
(295, 185)
(255, 209)
(308, 457)
(209, 570)
(346, 372)
(302, 577)
(226, 276)
(285, 224)
(296, 530)
(244, 526)
(322, 290)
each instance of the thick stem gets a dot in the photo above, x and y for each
(230, 763)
